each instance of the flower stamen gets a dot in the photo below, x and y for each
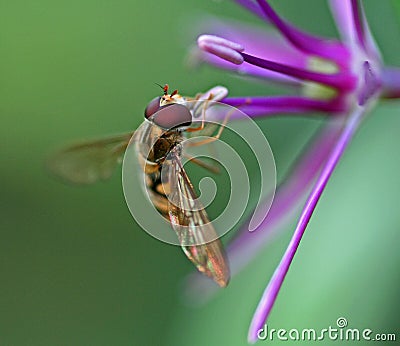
(337, 80)
(222, 48)
(273, 105)
(233, 52)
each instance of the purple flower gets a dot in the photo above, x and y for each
(341, 79)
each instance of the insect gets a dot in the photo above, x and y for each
(159, 151)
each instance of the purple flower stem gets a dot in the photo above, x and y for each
(357, 21)
(339, 81)
(283, 104)
(305, 42)
(269, 296)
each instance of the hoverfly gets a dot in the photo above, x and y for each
(158, 146)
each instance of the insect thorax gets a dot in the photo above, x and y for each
(163, 146)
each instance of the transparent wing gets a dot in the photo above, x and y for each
(196, 234)
(89, 161)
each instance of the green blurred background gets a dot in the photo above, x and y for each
(75, 267)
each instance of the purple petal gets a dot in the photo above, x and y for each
(358, 22)
(342, 11)
(257, 42)
(265, 43)
(246, 69)
(274, 105)
(370, 44)
(268, 299)
(343, 15)
(341, 80)
(305, 42)
(363, 32)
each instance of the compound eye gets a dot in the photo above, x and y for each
(152, 107)
(172, 116)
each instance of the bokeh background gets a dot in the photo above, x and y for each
(75, 267)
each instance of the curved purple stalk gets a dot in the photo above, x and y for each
(358, 22)
(273, 105)
(233, 52)
(269, 296)
(338, 80)
(306, 42)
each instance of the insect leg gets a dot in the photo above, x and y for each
(214, 138)
(220, 130)
(203, 118)
(201, 163)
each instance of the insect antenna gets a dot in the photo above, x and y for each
(165, 88)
